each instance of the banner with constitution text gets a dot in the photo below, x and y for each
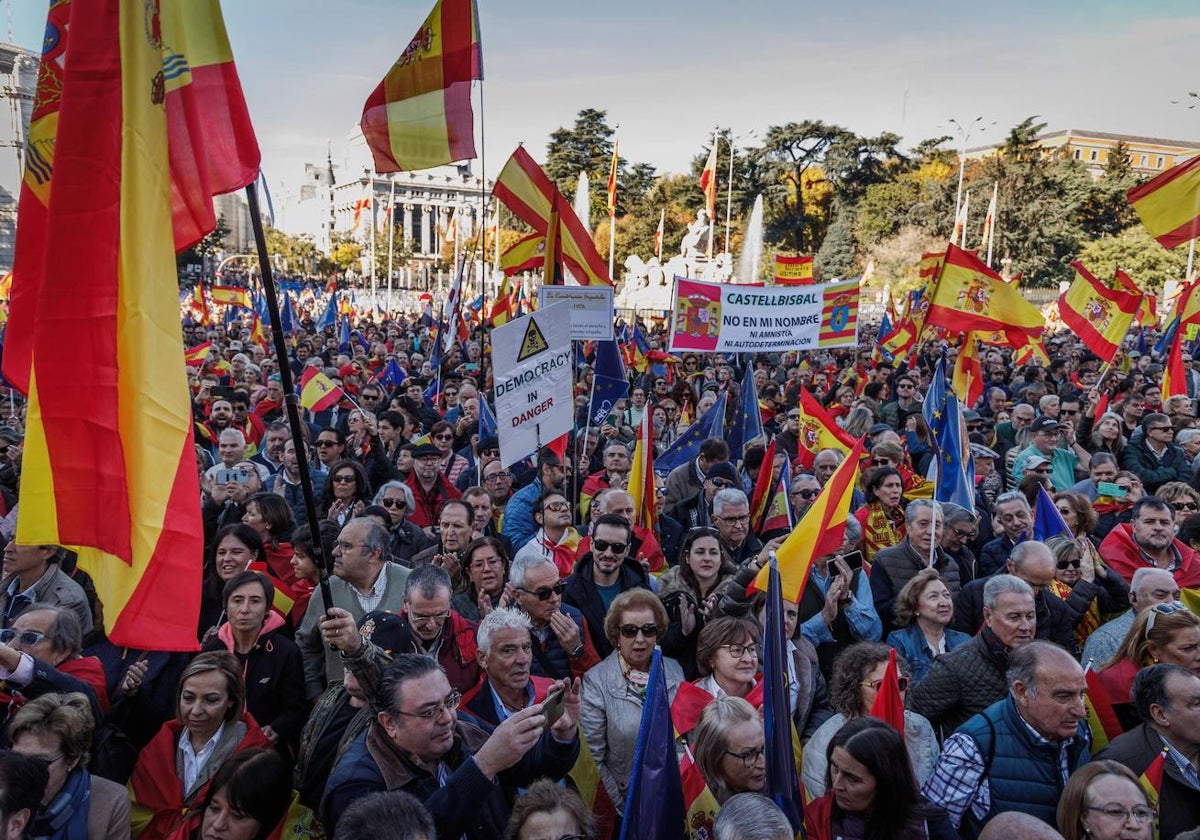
(727, 318)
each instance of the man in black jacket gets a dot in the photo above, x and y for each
(1167, 698)
(602, 574)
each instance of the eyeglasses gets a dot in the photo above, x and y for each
(614, 547)
(394, 503)
(25, 638)
(630, 631)
(450, 704)
(1159, 429)
(546, 592)
(428, 619)
(1066, 412)
(1140, 813)
(557, 507)
(1041, 470)
(902, 682)
(738, 651)
(343, 479)
(904, 386)
(443, 437)
(749, 757)
(323, 443)
(964, 535)
(745, 517)
(1155, 611)
(1184, 505)
(348, 546)
(1065, 564)
(806, 494)
(498, 476)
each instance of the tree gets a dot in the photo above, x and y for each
(837, 256)
(1136, 253)
(345, 253)
(207, 248)
(1105, 209)
(587, 147)
(922, 198)
(788, 158)
(300, 252)
(896, 259)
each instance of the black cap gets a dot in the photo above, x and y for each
(385, 629)
(1045, 424)
(424, 450)
(725, 470)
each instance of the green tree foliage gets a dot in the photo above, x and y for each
(837, 256)
(791, 160)
(210, 246)
(1134, 251)
(300, 252)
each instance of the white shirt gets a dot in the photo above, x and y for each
(193, 762)
(370, 601)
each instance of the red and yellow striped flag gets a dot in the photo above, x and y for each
(708, 183)
(1151, 781)
(794, 270)
(420, 115)
(1101, 717)
(525, 254)
(1098, 313)
(317, 391)
(230, 296)
(196, 356)
(970, 296)
(641, 477)
(612, 181)
(968, 373)
(1169, 205)
(95, 256)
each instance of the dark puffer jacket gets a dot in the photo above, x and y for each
(962, 683)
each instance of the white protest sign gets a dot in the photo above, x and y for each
(531, 357)
(592, 312)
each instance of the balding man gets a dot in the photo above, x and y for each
(1019, 752)
(1150, 586)
(1034, 563)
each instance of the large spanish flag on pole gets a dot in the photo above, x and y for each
(420, 115)
(1169, 205)
(1098, 313)
(970, 296)
(531, 196)
(95, 267)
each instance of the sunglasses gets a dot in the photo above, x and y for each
(806, 494)
(343, 479)
(25, 638)
(1066, 564)
(720, 483)
(393, 503)
(630, 631)
(614, 547)
(1155, 611)
(544, 593)
(902, 682)
(443, 437)
(1184, 505)
(494, 453)
(323, 443)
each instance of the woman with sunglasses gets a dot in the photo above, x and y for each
(882, 517)
(857, 677)
(1081, 578)
(614, 690)
(1164, 633)
(347, 492)
(689, 591)
(441, 435)
(407, 539)
(924, 610)
(1182, 497)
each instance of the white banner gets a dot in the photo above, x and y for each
(592, 314)
(531, 357)
(723, 318)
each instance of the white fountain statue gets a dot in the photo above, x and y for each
(583, 206)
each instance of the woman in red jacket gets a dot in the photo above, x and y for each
(211, 725)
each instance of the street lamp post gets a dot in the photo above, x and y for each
(964, 132)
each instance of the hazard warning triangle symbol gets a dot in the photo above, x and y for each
(533, 342)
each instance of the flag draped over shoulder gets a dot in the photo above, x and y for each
(533, 198)
(970, 296)
(1169, 205)
(654, 808)
(1098, 313)
(420, 115)
(94, 268)
(819, 532)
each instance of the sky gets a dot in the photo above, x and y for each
(668, 72)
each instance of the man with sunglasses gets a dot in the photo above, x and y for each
(802, 494)
(696, 511)
(465, 775)
(907, 402)
(686, 480)
(602, 574)
(562, 645)
(518, 523)
(1153, 457)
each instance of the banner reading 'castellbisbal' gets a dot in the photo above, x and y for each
(726, 318)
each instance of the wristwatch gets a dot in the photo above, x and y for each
(578, 652)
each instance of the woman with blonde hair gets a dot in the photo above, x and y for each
(1163, 633)
(729, 747)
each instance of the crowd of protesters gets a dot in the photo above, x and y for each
(490, 622)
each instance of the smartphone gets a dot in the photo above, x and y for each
(1109, 488)
(854, 560)
(552, 708)
(224, 476)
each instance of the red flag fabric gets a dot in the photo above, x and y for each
(763, 485)
(889, 703)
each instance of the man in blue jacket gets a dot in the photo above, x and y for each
(519, 526)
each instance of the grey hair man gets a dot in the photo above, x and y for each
(1013, 522)
(971, 677)
(1150, 585)
(893, 567)
(505, 655)
(751, 816)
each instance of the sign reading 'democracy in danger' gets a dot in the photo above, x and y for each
(531, 357)
(592, 312)
(726, 318)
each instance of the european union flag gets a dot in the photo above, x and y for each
(344, 336)
(1047, 520)
(955, 470)
(487, 420)
(654, 800)
(329, 318)
(783, 780)
(609, 382)
(287, 315)
(393, 375)
(686, 447)
(747, 420)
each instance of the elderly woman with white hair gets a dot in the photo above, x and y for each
(407, 540)
(614, 691)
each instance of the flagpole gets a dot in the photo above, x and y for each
(371, 187)
(712, 222)
(1191, 259)
(612, 210)
(994, 210)
(729, 192)
(391, 236)
(291, 399)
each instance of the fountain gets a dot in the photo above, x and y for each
(750, 260)
(583, 206)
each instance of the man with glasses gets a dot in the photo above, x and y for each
(518, 522)
(430, 488)
(802, 494)
(1045, 434)
(562, 645)
(329, 447)
(363, 581)
(465, 776)
(482, 452)
(686, 480)
(497, 481)
(696, 512)
(556, 540)
(1153, 457)
(1150, 586)
(1149, 541)
(602, 574)
(960, 530)
(1020, 418)
(1018, 754)
(907, 402)
(40, 653)
(789, 437)
(1167, 700)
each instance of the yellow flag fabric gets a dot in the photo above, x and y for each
(1169, 205)
(970, 296)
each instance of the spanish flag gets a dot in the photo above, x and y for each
(968, 372)
(970, 296)
(818, 533)
(196, 356)
(1151, 780)
(1098, 313)
(1101, 717)
(818, 431)
(641, 477)
(230, 296)
(531, 196)
(794, 270)
(95, 259)
(612, 182)
(525, 254)
(317, 391)
(708, 182)
(1169, 205)
(420, 115)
